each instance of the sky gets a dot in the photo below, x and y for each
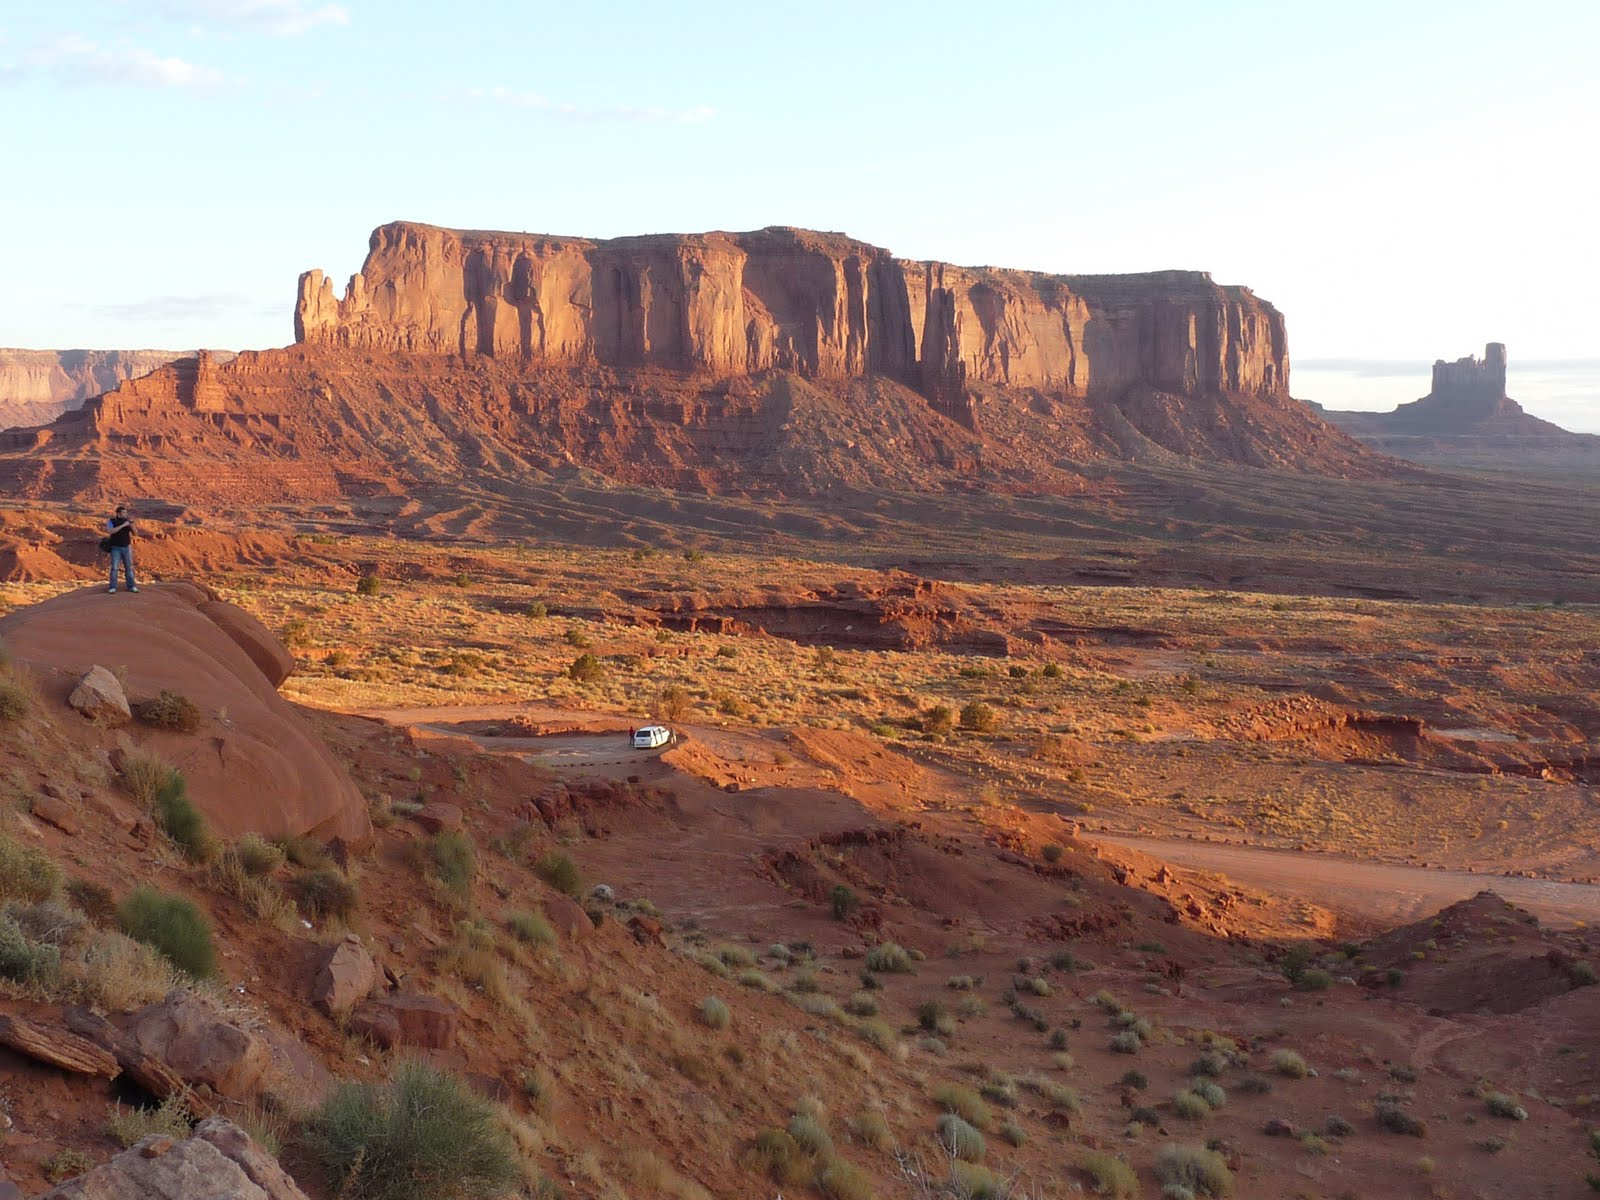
(1405, 180)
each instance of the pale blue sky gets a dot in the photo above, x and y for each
(1406, 181)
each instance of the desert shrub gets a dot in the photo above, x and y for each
(1290, 1064)
(26, 873)
(878, 1033)
(172, 925)
(1295, 961)
(810, 1134)
(368, 585)
(1109, 1175)
(843, 902)
(422, 1136)
(1337, 1126)
(776, 1153)
(736, 956)
(170, 710)
(1583, 974)
(16, 697)
(840, 1180)
(752, 978)
(862, 1004)
(1135, 1079)
(964, 1103)
(180, 820)
(1395, 1119)
(977, 717)
(143, 775)
(454, 862)
(1191, 1106)
(260, 894)
(969, 1181)
(303, 851)
(129, 1125)
(1500, 1104)
(1210, 1092)
(871, 1128)
(960, 1138)
(1253, 1085)
(935, 1018)
(1202, 1171)
(22, 959)
(1060, 1097)
(257, 856)
(1014, 1134)
(1210, 1064)
(325, 894)
(890, 958)
(1051, 852)
(1002, 1089)
(713, 1013)
(561, 873)
(531, 928)
(672, 702)
(67, 1163)
(1127, 1042)
(586, 668)
(939, 719)
(1314, 979)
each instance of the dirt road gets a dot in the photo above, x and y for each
(1386, 892)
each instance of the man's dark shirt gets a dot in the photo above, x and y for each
(121, 532)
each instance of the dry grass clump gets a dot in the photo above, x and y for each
(259, 893)
(171, 711)
(713, 1013)
(1109, 1175)
(26, 873)
(804, 1153)
(531, 928)
(325, 894)
(1500, 1104)
(960, 1138)
(16, 694)
(964, 1103)
(257, 856)
(118, 973)
(871, 1128)
(23, 959)
(889, 958)
(172, 1118)
(1202, 1171)
(143, 775)
(561, 873)
(454, 863)
(1290, 1064)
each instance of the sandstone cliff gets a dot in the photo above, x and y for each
(37, 386)
(819, 304)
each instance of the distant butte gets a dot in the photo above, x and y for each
(1467, 419)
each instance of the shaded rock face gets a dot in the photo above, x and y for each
(39, 385)
(187, 1035)
(219, 1161)
(254, 764)
(819, 304)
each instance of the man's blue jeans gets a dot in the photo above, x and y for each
(123, 555)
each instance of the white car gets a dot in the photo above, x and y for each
(651, 736)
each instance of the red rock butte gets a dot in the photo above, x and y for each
(819, 304)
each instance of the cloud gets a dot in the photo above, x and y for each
(186, 308)
(534, 102)
(276, 18)
(76, 60)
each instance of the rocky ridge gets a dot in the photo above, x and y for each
(37, 386)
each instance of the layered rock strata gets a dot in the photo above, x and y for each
(819, 304)
(39, 385)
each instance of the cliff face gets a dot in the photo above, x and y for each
(821, 305)
(39, 385)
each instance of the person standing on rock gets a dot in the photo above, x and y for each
(119, 541)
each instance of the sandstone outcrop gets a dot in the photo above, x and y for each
(199, 1046)
(254, 764)
(818, 304)
(220, 1160)
(37, 386)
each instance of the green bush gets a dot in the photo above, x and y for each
(1127, 1042)
(324, 894)
(561, 873)
(172, 925)
(889, 957)
(939, 720)
(1397, 1120)
(422, 1136)
(1191, 1106)
(1500, 1104)
(1287, 1062)
(1109, 1175)
(810, 1134)
(257, 856)
(16, 698)
(843, 902)
(23, 960)
(977, 717)
(454, 862)
(180, 820)
(958, 1137)
(1314, 979)
(1202, 1171)
(1051, 852)
(368, 585)
(586, 668)
(26, 874)
(171, 710)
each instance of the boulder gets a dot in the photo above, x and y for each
(55, 812)
(178, 637)
(439, 817)
(219, 1162)
(407, 1018)
(98, 696)
(567, 916)
(190, 1038)
(345, 977)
